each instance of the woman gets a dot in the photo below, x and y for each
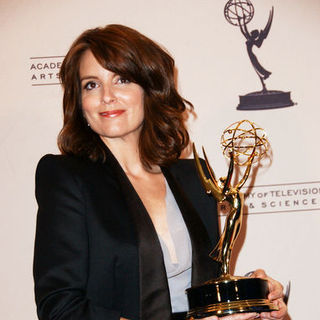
(123, 227)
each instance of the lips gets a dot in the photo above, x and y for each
(111, 113)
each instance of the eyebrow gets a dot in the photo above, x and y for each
(88, 77)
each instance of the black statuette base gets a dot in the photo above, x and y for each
(265, 100)
(224, 297)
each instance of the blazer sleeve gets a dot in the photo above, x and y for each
(61, 246)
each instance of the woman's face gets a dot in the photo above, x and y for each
(112, 106)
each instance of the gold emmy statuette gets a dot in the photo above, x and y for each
(243, 143)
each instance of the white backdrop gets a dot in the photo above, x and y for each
(213, 70)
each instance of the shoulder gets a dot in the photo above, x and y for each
(186, 168)
(62, 168)
(55, 164)
(186, 174)
(53, 161)
(53, 170)
(182, 165)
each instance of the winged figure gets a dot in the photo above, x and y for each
(256, 38)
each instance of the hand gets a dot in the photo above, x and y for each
(275, 295)
(123, 318)
(237, 316)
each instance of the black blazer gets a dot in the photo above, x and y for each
(97, 256)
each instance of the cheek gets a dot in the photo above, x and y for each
(138, 110)
(89, 104)
(85, 105)
(139, 103)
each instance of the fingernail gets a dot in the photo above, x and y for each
(248, 274)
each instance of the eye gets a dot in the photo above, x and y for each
(90, 85)
(121, 80)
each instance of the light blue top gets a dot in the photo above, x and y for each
(179, 271)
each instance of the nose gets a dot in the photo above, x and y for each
(108, 94)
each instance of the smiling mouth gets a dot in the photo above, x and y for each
(111, 113)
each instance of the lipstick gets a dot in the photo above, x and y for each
(111, 113)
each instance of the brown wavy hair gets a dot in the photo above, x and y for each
(135, 57)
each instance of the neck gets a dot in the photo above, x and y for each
(128, 155)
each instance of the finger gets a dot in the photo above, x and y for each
(276, 315)
(275, 287)
(259, 273)
(282, 310)
(240, 316)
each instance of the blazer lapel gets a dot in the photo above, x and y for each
(203, 267)
(154, 292)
